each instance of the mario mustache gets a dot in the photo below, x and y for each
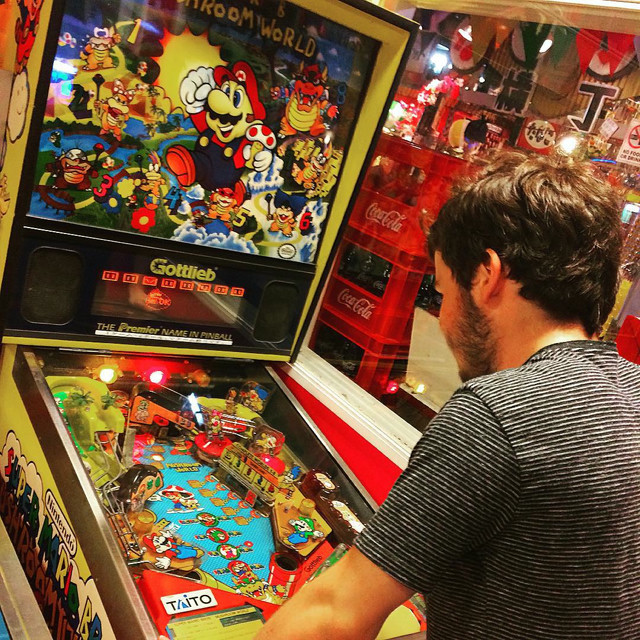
(225, 119)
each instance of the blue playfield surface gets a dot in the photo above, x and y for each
(203, 513)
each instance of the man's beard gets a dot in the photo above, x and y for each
(472, 342)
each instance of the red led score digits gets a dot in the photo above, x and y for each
(172, 283)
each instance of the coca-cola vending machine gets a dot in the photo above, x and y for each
(367, 310)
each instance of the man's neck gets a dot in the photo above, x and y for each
(520, 343)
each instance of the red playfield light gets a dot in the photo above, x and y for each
(392, 386)
(157, 375)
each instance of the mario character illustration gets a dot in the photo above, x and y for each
(308, 104)
(226, 110)
(168, 552)
(25, 31)
(72, 171)
(97, 53)
(228, 551)
(287, 209)
(246, 580)
(183, 501)
(254, 396)
(114, 112)
(304, 529)
(207, 519)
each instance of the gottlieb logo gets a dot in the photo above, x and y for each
(162, 267)
(391, 220)
(360, 306)
(190, 601)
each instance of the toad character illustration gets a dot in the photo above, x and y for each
(303, 530)
(115, 110)
(166, 548)
(308, 104)
(97, 53)
(72, 171)
(226, 110)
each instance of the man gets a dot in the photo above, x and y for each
(519, 513)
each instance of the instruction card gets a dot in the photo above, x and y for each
(241, 623)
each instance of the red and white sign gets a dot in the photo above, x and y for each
(538, 135)
(630, 148)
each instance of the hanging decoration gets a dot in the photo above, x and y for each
(527, 41)
(463, 58)
(483, 32)
(504, 29)
(563, 38)
(619, 46)
(588, 42)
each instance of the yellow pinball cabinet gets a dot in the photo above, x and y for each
(182, 173)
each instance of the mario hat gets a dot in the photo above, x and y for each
(173, 488)
(242, 73)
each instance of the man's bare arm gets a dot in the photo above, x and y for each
(349, 601)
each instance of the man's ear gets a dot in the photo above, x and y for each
(490, 276)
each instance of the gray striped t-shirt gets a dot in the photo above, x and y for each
(518, 515)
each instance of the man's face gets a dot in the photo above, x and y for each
(465, 327)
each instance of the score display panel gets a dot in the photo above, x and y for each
(111, 292)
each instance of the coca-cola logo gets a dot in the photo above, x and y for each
(359, 306)
(391, 220)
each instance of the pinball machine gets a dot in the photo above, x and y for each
(184, 172)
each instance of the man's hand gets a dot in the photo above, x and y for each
(349, 601)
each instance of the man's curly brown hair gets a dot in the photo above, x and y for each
(554, 222)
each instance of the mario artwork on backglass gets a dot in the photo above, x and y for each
(222, 123)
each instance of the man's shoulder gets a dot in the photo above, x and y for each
(556, 370)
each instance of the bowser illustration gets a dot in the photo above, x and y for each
(308, 103)
(226, 110)
(97, 53)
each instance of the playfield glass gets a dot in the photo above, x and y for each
(222, 124)
(206, 472)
